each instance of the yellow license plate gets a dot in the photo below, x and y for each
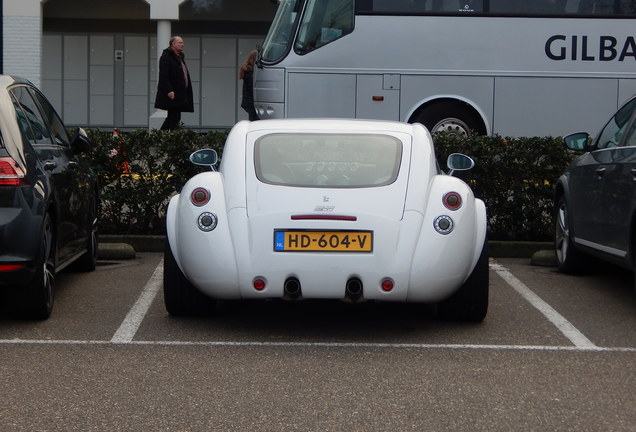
(323, 241)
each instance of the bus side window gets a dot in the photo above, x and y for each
(536, 7)
(541, 7)
(607, 7)
(503, 6)
(397, 6)
(464, 6)
(340, 16)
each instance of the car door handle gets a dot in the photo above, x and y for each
(72, 164)
(50, 166)
(600, 172)
(634, 173)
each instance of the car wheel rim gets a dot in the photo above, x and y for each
(93, 246)
(49, 264)
(562, 233)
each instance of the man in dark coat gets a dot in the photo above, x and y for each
(174, 90)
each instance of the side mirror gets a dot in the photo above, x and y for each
(577, 141)
(205, 157)
(459, 162)
(80, 143)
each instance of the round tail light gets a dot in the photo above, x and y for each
(452, 200)
(387, 285)
(200, 196)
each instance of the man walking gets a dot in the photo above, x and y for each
(174, 89)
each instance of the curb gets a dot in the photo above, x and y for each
(115, 251)
(544, 258)
(140, 243)
(540, 253)
(516, 249)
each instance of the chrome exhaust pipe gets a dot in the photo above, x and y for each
(353, 289)
(292, 288)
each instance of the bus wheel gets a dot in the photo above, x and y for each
(451, 118)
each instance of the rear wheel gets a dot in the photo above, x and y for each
(181, 298)
(88, 261)
(470, 302)
(451, 117)
(569, 259)
(35, 300)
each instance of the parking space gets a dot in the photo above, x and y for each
(555, 352)
(600, 304)
(531, 308)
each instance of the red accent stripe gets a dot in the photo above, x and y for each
(324, 217)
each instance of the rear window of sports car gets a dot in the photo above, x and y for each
(327, 160)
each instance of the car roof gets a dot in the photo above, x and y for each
(327, 125)
(8, 80)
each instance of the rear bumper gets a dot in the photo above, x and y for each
(422, 265)
(20, 276)
(20, 231)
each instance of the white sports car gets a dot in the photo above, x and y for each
(327, 209)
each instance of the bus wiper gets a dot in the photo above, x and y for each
(259, 55)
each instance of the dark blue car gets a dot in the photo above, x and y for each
(595, 201)
(48, 200)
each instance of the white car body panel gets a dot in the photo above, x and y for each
(424, 265)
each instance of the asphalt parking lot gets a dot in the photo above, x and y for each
(556, 352)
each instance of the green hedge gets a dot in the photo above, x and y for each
(139, 171)
(516, 179)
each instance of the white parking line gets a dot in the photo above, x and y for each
(128, 329)
(569, 331)
(351, 345)
(131, 323)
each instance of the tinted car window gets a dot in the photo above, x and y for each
(630, 139)
(53, 120)
(25, 126)
(30, 119)
(612, 133)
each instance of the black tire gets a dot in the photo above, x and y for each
(569, 259)
(181, 298)
(451, 117)
(634, 267)
(470, 302)
(88, 261)
(35, 300)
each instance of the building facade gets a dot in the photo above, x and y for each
(96, 60)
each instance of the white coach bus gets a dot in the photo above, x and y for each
(512, 67)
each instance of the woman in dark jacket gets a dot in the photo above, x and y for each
(246, 73)
(174, 90)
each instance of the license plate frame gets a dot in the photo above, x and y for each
(299, 240)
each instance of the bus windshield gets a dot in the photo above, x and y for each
(323, 22)
(278, 40)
